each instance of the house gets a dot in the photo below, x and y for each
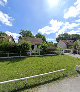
(7, 38)
(65, 44)
(62, 45)
(34, 41)
(11, 39)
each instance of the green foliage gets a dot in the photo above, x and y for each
(75, 45)
(26, 33)
(14, 69)
(41, 36)
(14, 47)
(3, 34)
(67, 36)
(43, 47)
(48, 48)
(24, 47)
(64, 36)
(5, 46)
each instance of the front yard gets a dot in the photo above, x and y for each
(19, 68)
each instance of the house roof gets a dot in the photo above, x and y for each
(34, 41)
(68, 42)
(6, 37)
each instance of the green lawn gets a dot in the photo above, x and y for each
(18, 68)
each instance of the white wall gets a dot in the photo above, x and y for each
(62, 45)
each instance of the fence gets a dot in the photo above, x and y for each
(26, 78)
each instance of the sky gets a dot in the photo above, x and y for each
(48, 17)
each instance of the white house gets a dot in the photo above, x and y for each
(62, 45)
(65, 44)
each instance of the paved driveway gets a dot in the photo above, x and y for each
(73, 55)
(66, 85)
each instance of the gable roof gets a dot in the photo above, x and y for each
(33, 41)
(6, 38)
(68, 42)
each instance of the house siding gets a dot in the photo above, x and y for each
(62, 45)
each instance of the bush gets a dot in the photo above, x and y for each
(24, 47)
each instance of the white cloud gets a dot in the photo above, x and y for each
(46, 30)
(73, 11)
(14, 35)
(5, 19)
(70, 26)
(3, 2)
(58, 27)
(67, 26)
(77, 20)
(74, 32)
(54, 27)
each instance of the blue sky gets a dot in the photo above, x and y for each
(48, 17)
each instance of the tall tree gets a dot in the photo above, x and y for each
(64, 36)
(2, 34)
(67, 36)
(75, 37)
(26, 33)
(41, 36)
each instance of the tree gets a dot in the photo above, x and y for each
(8, 47)
(64, 36)
(41, 36)
(5, 46)
(3, 34)
(75, 45)
(24, 46)
(75, 37)
(43, 47)
(67, 36)
(26, 33)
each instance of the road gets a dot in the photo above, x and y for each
(66, 85)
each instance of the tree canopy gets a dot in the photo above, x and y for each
(26, 33)
(67, 36)
(41, 36)
(2, 34)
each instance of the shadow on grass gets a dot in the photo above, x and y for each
(20, 58)
(38, 84)
(12, 59)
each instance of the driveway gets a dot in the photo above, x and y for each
(66, 85)
(73, 55)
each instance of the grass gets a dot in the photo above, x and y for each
(17, 68)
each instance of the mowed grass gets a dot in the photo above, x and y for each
(19, 68)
